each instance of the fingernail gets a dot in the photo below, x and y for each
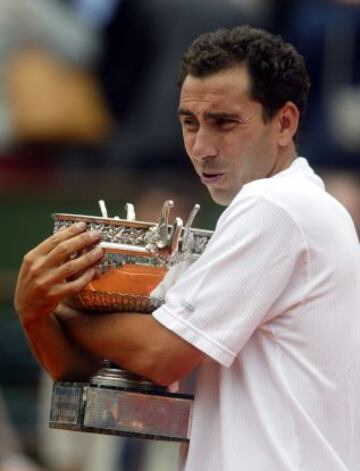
(80, 225)
(92, 272)
(94, 235)
(98, 252)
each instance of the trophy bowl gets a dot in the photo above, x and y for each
(138, 256)
(141, 261)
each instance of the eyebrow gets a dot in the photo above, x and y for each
(184, 112)
(209, 114)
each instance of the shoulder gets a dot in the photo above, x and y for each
(294, 191)
(299, 180)
(257, 216)
(283, 203)
(293, 201)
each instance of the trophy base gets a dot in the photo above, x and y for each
(124, 411)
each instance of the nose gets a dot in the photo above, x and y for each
(203, 146)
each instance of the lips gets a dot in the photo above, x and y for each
(208, 178)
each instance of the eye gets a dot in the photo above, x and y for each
(227, 123)
(189, 124)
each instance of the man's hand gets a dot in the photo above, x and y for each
(49, 274)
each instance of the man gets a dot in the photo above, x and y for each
(268, 313)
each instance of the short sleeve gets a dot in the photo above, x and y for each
(254, 256)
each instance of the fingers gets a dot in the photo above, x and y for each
(50, 273)
(52, 242)
(75, 267)
(68, 247)
(58, 249)
(50, 261)
(61, 291)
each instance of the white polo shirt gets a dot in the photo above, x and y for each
(274, 302)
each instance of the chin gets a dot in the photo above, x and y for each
(221, 198)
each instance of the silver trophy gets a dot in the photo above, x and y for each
(141, 261)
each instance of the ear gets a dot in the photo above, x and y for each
(288, 119)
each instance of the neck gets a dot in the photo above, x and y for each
(285, 158)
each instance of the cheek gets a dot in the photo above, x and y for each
(234, 145)
(189, 145)
(253, 143)
(187, 142)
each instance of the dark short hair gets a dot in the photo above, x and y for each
(277, 71)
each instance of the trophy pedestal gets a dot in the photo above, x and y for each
(124, 407)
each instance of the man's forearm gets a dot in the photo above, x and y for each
(56, 352)
(136, 342)
(116, 337)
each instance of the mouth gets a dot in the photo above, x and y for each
(208, 178)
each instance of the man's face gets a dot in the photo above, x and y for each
(225, 134)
